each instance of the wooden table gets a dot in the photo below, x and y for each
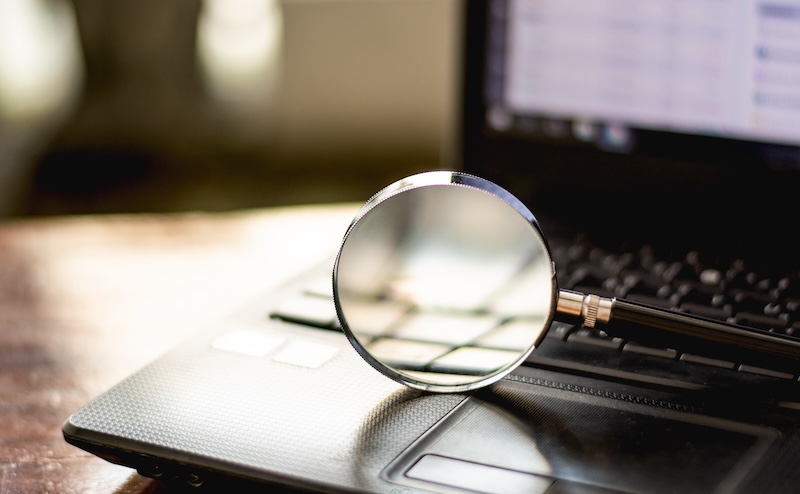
(84, 301)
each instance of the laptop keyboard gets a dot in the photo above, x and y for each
(715, 287)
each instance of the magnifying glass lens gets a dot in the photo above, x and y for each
(444, 282)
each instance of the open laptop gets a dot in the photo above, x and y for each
(658, 143)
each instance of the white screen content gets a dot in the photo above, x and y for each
(717, 67)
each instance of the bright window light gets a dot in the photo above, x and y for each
(40, 60)
(238, 48)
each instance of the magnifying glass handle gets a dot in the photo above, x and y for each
(693, 334)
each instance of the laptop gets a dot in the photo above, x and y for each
(658, 144)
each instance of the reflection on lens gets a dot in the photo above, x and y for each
(444, 282)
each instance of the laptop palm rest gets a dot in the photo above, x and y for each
(522, 438)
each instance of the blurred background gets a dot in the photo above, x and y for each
(111, 106)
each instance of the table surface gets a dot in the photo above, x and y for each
(85, 301)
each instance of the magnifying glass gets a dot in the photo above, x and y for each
(444, 282)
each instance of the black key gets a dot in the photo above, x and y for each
(595, 338)
(773, 309)
(764, 372)
(699, 294)
(751, 301)
(759, 321)
(560, 331)
(721, 314)
(700, 359)
(634, 347)
(712, 277)
(591, 276)
(645, 284)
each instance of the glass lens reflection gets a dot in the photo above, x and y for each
(444, 286)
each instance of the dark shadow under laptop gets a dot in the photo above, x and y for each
(658, 143)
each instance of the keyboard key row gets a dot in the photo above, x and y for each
(391, 330)
(570, 334)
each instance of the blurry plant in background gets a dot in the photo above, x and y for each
(40, 62)
(239, 43)
(41, 72)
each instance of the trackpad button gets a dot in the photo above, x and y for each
(475, 476)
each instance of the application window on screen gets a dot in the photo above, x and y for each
(716, 67)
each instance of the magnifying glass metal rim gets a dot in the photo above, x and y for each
(433, 179)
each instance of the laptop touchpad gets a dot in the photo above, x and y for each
(532, 439)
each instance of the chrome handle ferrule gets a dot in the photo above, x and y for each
(590, 310)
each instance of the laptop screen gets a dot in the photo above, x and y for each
(627, 104)
(606, 71)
